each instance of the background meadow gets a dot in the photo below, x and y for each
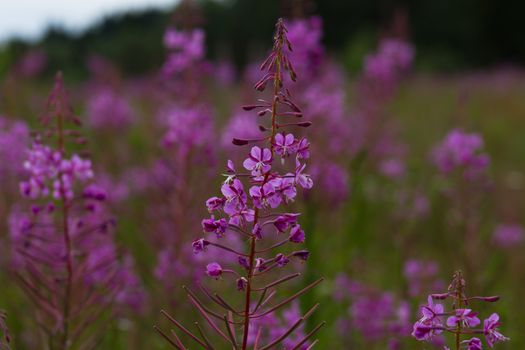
(416, 157)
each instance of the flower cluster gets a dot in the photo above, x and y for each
(14, 135)
(187, 127)
(462, 152)
(63, 250)
(268, 189)
(508, 235)
(52, 174)
(186, 48)
(172, 182)
(270, 176)
(108, 110)
(392, 57)
(461, 321)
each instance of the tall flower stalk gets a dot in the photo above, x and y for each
(254, 216)
(462, 321)
(187, 123)
(464, 164)
(63, 254)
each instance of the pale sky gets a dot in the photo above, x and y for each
(30, 18)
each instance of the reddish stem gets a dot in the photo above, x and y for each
(276, 88)
(67, 238)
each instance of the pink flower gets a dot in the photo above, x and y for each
(285, 187)
(186, 48)
(235, 196)
(230, 167)
(490, 329)
(431, 311)
(423, 331)
(392, 57)
(460, 150)
(241, 216)
(214, 203)
(284, 144)
(473, 344)
(259, 162)
(465, 317)
(264, 196)
(304, 180)
(50, 173)
(303, 149)
(429, 324)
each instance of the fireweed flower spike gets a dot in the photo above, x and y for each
(250, 200)
(186, 123)
(63, 254)
(461, 321)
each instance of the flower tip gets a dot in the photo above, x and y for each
(293, 75)
(239, 142)
(260, 86)
(440, 296)
(304, 124)
(302, 254)
(491, 299)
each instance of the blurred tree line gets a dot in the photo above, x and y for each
(449, 34)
